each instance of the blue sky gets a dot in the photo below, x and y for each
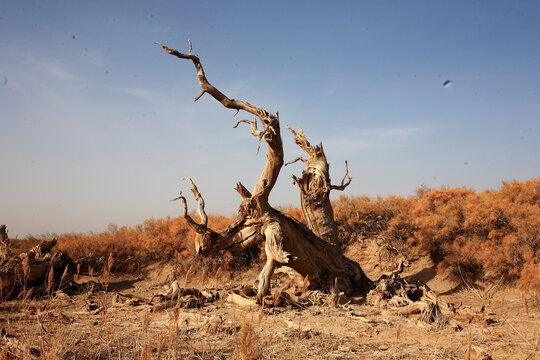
(98, 125)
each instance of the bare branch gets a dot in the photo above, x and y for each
(200, 202)
(255, 131)
(295, 160)
(206, 87)
(199, 96)
(253, 124)
(4, 245)
(271, 134)
(345, 181)
(301, 140)
(244, 193)
(274, 244)
(196, 227)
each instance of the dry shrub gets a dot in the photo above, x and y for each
(18, 246)
(133, 247)
(388, 220)
(127, 249)
(493, 233)
(470, 235)
(150, 241)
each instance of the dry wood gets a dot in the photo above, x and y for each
(396, 294)
(315, 187)
(125, 300)
(240, 300)
(286, 241)
(40, 267)
(296, 325)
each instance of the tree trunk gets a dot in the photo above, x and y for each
(315, 187)
(287, 242)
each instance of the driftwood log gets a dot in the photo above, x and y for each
(287, 242)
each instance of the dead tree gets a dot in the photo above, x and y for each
(315, 187)
(287, 242)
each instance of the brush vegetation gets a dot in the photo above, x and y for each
(488, 235)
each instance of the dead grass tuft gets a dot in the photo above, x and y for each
(525, 305)
(50, 280)
(246, 343)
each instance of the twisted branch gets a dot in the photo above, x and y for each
(270, 122)
(192, 224)
(206, 87)
(344, 182)
(254, 130)
(198, 228)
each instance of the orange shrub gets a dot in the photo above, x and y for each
(387, 219)
(491, 234)
(470, 235)
(154, 240)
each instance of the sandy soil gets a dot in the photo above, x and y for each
(69, 327)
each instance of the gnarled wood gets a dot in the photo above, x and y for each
(287, 241)
(315, 187)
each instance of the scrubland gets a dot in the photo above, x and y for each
(488, 235)
(477, 250)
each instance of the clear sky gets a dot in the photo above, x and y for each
(98, 124)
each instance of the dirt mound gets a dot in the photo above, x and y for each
(162, 273)
(379, 257)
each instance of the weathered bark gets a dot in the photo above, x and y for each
(315, 187)
(32, 269)
(287, 241)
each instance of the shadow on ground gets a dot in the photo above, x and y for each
(122, 285)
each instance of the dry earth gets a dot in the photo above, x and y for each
(88, 326)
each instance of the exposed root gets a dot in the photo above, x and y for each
(396, 294)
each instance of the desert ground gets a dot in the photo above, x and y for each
(109, 317)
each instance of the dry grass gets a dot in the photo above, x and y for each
(246, 343)
(525, 305)
(59, 328)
